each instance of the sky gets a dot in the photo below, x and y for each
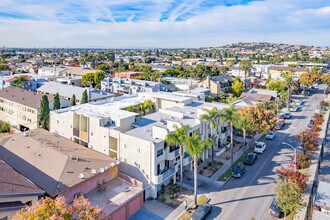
(162, 23)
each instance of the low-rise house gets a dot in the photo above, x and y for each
(67, 91)
(16, 191)
(282, 69)
(181, 83)
(78, 71)
(217, 84)
(51, 71)
(20, 107)
(127, 75)
(73, 170)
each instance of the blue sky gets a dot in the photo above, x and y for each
(162, 23)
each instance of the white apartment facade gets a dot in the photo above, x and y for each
(139, 141)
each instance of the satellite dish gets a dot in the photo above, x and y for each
(101, 170)
(112, 164)
(81, 176)
(93, 171)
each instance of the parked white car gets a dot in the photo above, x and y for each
(271, 135)
(260, 147)
(299, 102)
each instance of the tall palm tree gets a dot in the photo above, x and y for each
(178, 138)
(195, 147)
(211, 116)
(289, 82)
(246, 67)
(242, 122)
(228, 115)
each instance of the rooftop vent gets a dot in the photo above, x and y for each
(101, 170)
(93, 171)
(81, 176)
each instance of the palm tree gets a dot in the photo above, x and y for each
(20, 81)
(146, 106)
(211, 116)
(289, 82)
(242, 122)
(178, 138)
(228, 115)
(245, 66)
(195, 147)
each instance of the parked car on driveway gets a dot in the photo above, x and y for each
(260, 147)
(239, 170)
(201, 212)
(274, 210)
(271, 135)
(250, 158)
(299, 102)
(287, 115)
(310, 123)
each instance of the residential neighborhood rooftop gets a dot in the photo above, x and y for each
(14, 183)
(22, 96)
(52, 162)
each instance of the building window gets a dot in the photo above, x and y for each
(125, 146)
(91, 133)
(138, 150)
(160, 152)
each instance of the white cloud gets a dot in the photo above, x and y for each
(297, 21)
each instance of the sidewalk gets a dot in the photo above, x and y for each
(180, 209)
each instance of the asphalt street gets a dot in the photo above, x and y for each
(249, 197)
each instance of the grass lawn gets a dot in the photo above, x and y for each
(227, 174)
(187, 215)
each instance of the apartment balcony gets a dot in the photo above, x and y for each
(84, 136)
(187, 160)
(164, 175)
(76, 132)
(172, 155)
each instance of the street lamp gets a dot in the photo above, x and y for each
(295, 155)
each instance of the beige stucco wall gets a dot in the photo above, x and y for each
(17, 114)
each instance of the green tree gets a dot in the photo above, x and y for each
(5, 127)
(98, 77)
(242, 122)
(146, 106)
(288, 196)
(56, 103)
(84, 98)
(211, 116)
(246, 66)
(195, 147)
(88, 79)
(178, 138)
(324, 105)
(237, 87)
(276, 85)
(228, 115)
(44, 111)
(73, 100)
(289, 83)
(20, 81)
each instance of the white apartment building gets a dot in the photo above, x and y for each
(51, 71)
(139, 141)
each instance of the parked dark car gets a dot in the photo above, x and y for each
(310, 123)
(250, 158)
(239, 170)
(202, 212)
(274, 210)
